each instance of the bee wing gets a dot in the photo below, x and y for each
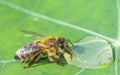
(31, 48)
(31, 34)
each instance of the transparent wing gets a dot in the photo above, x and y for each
(92, 53)
(31, 48)
(32, 34)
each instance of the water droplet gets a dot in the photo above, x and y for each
(84, 61)
(101, 63)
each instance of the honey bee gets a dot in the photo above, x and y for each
(51, 47)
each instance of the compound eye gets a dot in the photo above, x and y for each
(61, 45)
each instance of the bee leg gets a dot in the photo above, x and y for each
(53, 57)
(56, 59)
(30, 63)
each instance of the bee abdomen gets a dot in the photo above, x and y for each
(17, 57)
(27, 52)
(22, 58)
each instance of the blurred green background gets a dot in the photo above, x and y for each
(98, 16)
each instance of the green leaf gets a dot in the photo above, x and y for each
(73, 20)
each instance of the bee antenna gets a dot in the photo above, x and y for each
(70, 42)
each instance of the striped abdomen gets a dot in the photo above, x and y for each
(27, 52)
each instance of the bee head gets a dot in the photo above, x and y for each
(66, 50)
(62, 43)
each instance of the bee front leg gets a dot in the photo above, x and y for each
(56, 59)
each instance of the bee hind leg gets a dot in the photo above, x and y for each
(30, 63)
